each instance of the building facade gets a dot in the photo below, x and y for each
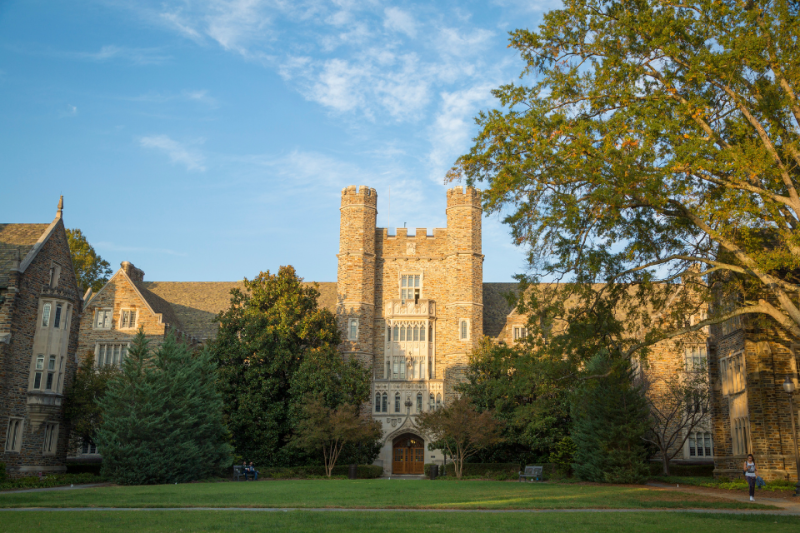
(411, 307)
(40, 309)
(748, 365)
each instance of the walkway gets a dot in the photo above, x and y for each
(789, 506)
(336, 509)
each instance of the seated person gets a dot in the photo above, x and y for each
(253, 472)
(244, 469)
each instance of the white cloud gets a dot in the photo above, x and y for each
(399, 21)
(70, 111)
(177, 152)
(139, 56)
(451, 130)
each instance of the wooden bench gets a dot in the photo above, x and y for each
(238, 472)
(531, 472)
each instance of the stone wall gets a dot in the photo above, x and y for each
(769, 357)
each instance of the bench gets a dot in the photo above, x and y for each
(531, 472)
(238, 472)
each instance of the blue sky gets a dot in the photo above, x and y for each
(209, 140)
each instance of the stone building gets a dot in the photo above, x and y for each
(748, 364)
(410, 306)
(40, 308)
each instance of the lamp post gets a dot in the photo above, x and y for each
(788, 386)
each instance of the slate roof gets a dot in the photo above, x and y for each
(161, 306)
(196, 304)
(13, 238)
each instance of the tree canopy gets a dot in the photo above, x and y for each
(276, 346)
(90, 269)
(82, 405)
(656, 151)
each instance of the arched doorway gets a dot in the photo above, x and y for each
(408, 455)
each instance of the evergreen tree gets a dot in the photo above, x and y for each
(82, 406)
(610, 418)
(276, 346)
(162, 417)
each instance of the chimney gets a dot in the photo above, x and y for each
(134, 273)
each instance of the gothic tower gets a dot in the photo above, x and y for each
(355, 308)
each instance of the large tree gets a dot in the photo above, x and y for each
(517, 384)
(656, 151)
(90, 269)
(275, 347)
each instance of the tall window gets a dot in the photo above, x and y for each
(377, 402)
(57, 319)
(700, 444)
(419, 402)
(463, 327)
(39, 372)
(410, 287)
(397, 402)
(127, 319)
(352, 329)
(14, 435)
(51, 372)
(431, 402)
(50, 438)
(741, 435)
(696, 358)
(110, 353)
(732, 373)
(385, 402)
(520, 333)
(438, 401)
(102, 319)
(399, 370)
(46, 315)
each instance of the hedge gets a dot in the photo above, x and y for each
(3, 474)
(363, 471)
(701, 470)
(84, 468)
(493, 470)
(50, 480)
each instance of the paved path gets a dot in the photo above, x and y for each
(336, 509)
(788, 506)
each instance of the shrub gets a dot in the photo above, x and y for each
(312, 472)
(51, 480)
(3, 474)
(656, 469)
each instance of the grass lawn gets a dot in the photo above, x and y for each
(171, 521)
(374, 493)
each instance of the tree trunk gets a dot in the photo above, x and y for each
(665, 462)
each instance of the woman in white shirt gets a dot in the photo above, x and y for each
(751, 474)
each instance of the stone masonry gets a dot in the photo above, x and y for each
(40, 308)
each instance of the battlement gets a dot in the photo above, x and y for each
(463, 196)
(359, 194)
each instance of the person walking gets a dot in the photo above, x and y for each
(751, 474)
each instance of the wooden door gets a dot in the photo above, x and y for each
(408, 456)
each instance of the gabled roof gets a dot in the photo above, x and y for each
(197, 303)
(16, 242)
(156, 304)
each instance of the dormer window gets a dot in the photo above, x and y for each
(410, 287)
(520, 333)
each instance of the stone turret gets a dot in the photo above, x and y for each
(356, 272)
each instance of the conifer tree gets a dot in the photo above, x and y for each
(162, 417)
(610, 418)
